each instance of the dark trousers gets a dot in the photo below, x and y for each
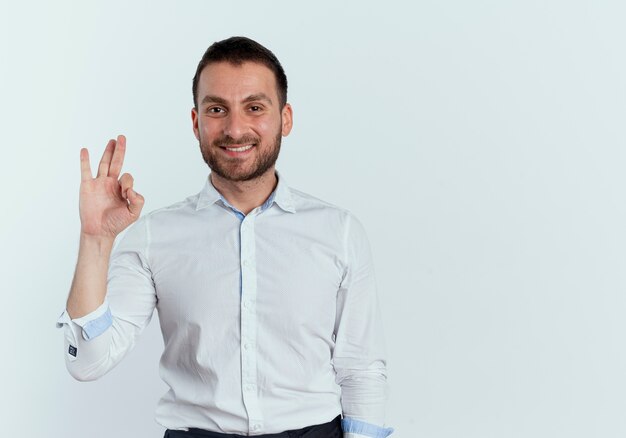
(332, 429)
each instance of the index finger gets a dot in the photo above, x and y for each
(85, 167)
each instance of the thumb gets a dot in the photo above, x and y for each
(136, 202)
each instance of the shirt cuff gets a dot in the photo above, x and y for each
(359, 429)
(93, 324)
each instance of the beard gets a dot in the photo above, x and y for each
(233, 168)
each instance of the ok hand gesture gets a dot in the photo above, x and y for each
(107, 206)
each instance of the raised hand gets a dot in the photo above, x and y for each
(107, 206)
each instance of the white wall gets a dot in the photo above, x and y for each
(481, 144)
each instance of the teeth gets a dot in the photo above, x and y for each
(241, 149)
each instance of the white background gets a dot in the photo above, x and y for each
(480, 143)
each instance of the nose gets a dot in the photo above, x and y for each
(235, 125)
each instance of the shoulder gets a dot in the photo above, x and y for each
(307, 202)
(141, 229)
(186, 206)
(332, 216)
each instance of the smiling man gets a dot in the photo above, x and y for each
(266, 295)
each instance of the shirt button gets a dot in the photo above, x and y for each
(250, 388)
(256, 426)
(247, 304)
(247, 346)
(245, 263)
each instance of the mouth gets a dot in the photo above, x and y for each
(238, 150)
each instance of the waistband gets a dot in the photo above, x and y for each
(332, 429)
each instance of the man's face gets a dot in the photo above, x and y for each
(239, 123)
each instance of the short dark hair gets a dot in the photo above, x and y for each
(238, 50)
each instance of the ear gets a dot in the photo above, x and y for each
(287, 117)
(194, 121)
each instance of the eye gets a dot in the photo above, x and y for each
(215, 110)
(255, 108)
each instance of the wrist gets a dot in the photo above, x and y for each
(100, 244)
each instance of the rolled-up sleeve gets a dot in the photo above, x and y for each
(359, 352)
(96, 342)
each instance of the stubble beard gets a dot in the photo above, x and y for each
(230, 168)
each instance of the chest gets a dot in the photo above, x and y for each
(290, 275)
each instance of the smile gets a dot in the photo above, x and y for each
(241, 149)
(238, 151)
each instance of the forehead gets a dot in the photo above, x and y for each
(235, 82)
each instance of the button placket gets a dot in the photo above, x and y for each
(248, 324)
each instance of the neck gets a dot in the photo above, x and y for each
(245, 196)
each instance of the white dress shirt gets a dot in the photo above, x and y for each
(270, 320)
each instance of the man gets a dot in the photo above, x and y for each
(266, 295)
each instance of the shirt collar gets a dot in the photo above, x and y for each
(281, 196)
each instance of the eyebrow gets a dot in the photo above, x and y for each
(256, 97)
(213, 99)
(252, 98)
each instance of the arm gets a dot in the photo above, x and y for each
(359, 353)
(107, 206)
(89, 283)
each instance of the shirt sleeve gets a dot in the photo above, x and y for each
(88, 326)
(359, 352)
(95, 343)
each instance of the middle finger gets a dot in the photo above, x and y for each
(118, 157)
(103, 167)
